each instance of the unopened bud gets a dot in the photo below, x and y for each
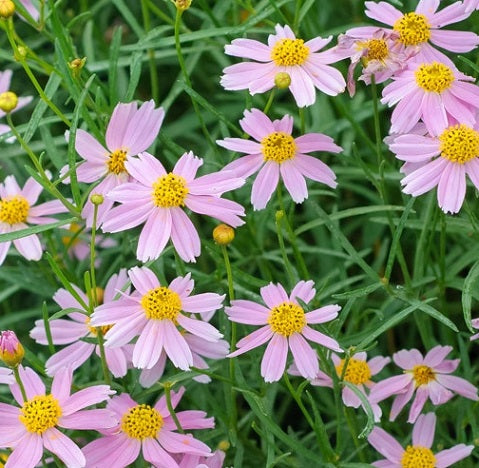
(279, 215)
(11, 350)
(7, 8)
(99, 295)
(8, 101)
(223, 234)
(224, 445)
(282, 80)
(21, 53)
(76, 66)
(97, 199)
(182, 5)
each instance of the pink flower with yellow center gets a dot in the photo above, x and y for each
(427, 377)
(276, 153)
(32, 427)
(154, 313)
(306, 68)
(418, 453)
(157, 198)
(423, 27)
(285, 326)
(18, 210)
(150, 430)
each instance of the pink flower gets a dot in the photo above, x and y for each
(275, 152)
(33, 427)
(442, 161)
(11, 350)
(153, 313)
(158, 198)
(475, 324)
(419, 28)
(427, 376)
(286, 325)
(195, 461)
(130, 131)
(284, 53)
(17, 209)
(433, 92)
(358, 372)
(150, 430)
(419, 453)
(6, 376)
(73, 331)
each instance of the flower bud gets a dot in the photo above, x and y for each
(282, 80)
(11, 350)
(99, 295)
(76, 66)
(223, 234)
(8, 101)
(7, 8)
(224, 445)
(182, 5)
(97, 199)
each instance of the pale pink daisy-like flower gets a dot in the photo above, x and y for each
(150, 430)
(442, 161)
(422, 27)
(419, 453)
(33, 427)
(6, 376)
(358, 372)
(433, 92)
(72, 332)
(426, 376)
(284, 53)
(196, 461)
(130, 131)
(154, 313)
(157, 198)
(17, 211)
(276, 153)
(286, 326)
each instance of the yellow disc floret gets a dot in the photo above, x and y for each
(416, 456)
(459, 143)
(170, 191)
(423, 375)
(376, 49)
(14, 209)
(413, 29)
(116, 162)
(278, 147)
(40, 413)
(434, 77)
(161, 304)
(287, 318)
(289, 52)
(141, 422)
(357, 372)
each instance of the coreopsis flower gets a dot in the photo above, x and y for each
(150, 430)
(130, 131)
(358, 372)
(433, 92)
(34, 426)
(73, 330)
(308, 69)
(6, 376)
(427, 377)
(17, 211)
(419, 453)
(154, 313)
(275, 152)
(11, 350)
(475, 324)
(285, 326)
(442, 161)
(157, 198)
(422, 27)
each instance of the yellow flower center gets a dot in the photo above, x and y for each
(161, 303)
(434, 77)
(141, 422)
(14, 209)
(116, 162)
(94, 330)
(287, 318)
(40, 413)
(288, 52)
(357, 372)
(278, 147)
(413, 29)
(423, 375)
(416, 456)
(459, 143)
(377, 49)
(170, 191)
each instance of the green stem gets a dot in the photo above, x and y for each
(92, 257)
(151, 53)
(302, 120)
(104, 364)
(20, 383)
(167, 387)
(48, 331)
(279, 231)
(269, 102)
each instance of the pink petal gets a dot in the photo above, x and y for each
(114, 451)
(302, 87)
(448, 457)
(253, 340)
(386, 445)
(30, 247)
(116, 360)
(95, 419)
(143, 279)
(184, 236)
(149, 345)
(407, 359)
(264, 185)
(455, 41)
(293, 181)
(86, 397)
(205, 302)
(382, 12)
(314, 169)
(422, 394)
(390, 386)
(199, 328)
(63, 447)
(250, 49)
(245, 166)
(316, 142)
(126, 216)
(436, 355)
(305, 357)
(257, 124)
(182, 443)
(146, 169)
(227, 211)
(118, 124)
(284, 125)
(423, 431)
(248, 312)
(154, 453)
(320, 338)
(74, 356)
(376, 364)
(401, 401)
(273, 363)
(273, 295)
(451, 189)
(175, 346)
(323, 314)
(183, 285)
(27, 453)
(154, 235)
(458, 385)
(125, 330)
(187, 166)
(303, 290)
(89, 148)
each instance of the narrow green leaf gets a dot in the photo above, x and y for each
(9, 236)
(469, 284)
(367, 408)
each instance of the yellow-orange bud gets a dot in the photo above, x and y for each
(11, 350)
(7, 8)
(8, 101)
(182, 5)
(223, 234)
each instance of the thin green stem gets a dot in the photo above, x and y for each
(171, 410)
(20, 383)
(48, 331)
(269, 102)
(92, 257)
(279, 231)
(151, 52)
(302, 120)
(104, 364)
